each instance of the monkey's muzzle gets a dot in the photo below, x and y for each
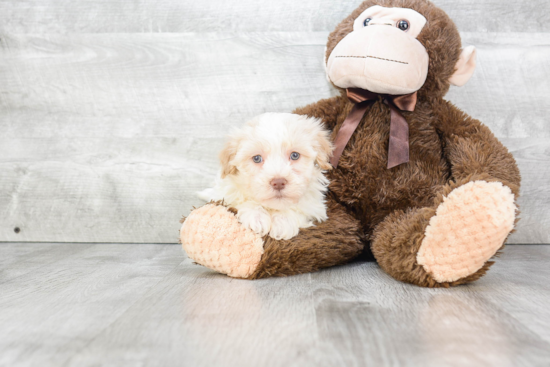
(379, 58)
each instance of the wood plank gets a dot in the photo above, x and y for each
(509, 87)
(102, 189)
(55, 310)
(23, 259)
(151, 306)
(191, 85)
(533, 158)
(402, 325)
(106, 139)
(151, 16)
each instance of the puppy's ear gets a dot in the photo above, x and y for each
(324, 150)
(226, 157)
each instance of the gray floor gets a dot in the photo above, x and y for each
(148, 305)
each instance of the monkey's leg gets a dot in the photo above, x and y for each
(213, 238)
(450, 243)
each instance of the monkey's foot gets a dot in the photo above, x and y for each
(469, 226)
(212, 237)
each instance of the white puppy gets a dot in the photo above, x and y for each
(272, 173)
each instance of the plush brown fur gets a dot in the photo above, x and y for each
(394, 206)
(333, 242)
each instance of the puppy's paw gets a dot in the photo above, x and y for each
(283, 227)
(255, 218)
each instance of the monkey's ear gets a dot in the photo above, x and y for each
(465, 67)
(226, 157)
(324, 150)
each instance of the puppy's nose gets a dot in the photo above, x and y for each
(278, 183)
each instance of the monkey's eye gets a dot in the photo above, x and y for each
(403, 25)
(257, 159)
(366, 22)
(294, 156)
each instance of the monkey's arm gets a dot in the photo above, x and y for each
(325, 109)
(473, 151)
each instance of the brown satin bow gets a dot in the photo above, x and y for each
(398, 149)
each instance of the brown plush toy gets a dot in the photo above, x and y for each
(427, 189)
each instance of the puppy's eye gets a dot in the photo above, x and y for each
(366, 22)
(294, 156)
(257, 159)
(403, 25)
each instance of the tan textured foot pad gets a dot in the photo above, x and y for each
(469, 226)
(212, 237)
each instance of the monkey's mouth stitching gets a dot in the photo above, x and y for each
(374, 57)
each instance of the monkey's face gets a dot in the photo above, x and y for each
(382, 53)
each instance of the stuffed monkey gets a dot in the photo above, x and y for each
(425, 188)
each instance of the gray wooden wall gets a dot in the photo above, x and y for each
(112, 111)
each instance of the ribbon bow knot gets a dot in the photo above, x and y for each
(398, 148)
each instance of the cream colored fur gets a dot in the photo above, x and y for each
(246, 185)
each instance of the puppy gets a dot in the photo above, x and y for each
(272, 173)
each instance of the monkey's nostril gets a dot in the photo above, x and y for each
(278, 183)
